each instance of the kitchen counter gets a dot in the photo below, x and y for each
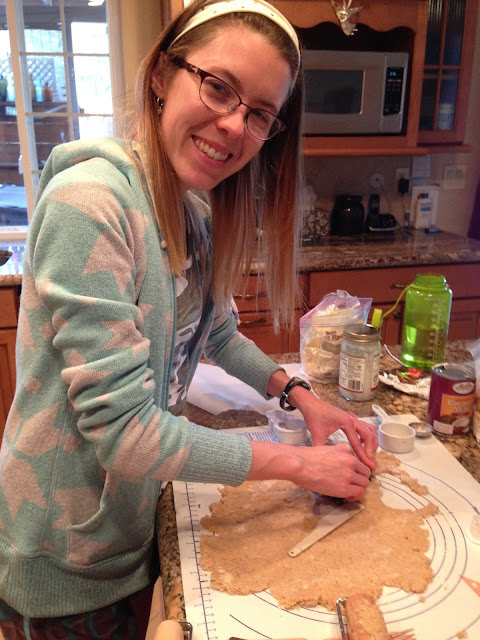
(393, 249)
(465, 449)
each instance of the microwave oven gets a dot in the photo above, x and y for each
(354, 92)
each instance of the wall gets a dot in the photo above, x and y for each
(142, 22)
(331, 176)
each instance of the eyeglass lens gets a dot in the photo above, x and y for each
(220, 97)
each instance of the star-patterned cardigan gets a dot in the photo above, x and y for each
(89, 441)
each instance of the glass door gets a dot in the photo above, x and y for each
(55, 67)
(447, 70)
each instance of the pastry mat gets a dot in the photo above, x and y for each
(451, 602)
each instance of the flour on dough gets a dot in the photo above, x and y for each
(257, 523)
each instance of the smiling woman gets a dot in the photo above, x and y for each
(135, 249)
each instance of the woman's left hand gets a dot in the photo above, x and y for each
(323, 419)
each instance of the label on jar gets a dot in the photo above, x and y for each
(352, 373)
(357, 374)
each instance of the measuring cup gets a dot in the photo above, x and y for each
(395, 437)
(288, 429)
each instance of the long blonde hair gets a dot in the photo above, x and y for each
(264, 194)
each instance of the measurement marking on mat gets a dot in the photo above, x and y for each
(202, 577)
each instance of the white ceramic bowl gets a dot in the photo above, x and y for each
(396, 437)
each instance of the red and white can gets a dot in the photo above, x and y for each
(451, 400)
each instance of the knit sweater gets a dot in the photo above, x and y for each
(89, 440)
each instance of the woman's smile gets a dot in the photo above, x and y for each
(210, 150)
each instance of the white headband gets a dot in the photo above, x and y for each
(211, 11)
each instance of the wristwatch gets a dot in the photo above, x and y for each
(293, 382)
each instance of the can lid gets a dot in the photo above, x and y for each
(454, 371)
(361, 333)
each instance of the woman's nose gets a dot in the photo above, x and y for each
(234, 122)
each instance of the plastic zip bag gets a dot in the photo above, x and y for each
(321, 333)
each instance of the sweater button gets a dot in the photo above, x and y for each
(163, 244)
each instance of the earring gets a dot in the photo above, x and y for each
(159, 102)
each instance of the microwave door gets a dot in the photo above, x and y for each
(354, 92)
(343, 101)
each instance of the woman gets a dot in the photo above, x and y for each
(127, 280)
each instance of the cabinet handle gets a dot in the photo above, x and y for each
(256, 321)
(394, 285)
(249, 296)
(397, 315)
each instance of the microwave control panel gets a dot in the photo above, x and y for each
(392, 103)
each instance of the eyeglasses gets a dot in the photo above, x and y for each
(220, 97)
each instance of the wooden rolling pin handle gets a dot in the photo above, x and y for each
(169, 630)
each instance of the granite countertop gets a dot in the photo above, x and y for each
(363, 251)
(465, 449)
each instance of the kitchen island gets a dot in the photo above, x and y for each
(465, 449)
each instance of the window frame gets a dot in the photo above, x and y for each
(26, 134)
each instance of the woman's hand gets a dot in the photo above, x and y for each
(331, 469)
(323, 419)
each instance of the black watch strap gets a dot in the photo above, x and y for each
(293, 382)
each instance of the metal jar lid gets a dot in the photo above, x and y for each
(361, 333)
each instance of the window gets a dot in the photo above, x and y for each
(56, 85)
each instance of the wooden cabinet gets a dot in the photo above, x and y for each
(379, 27)
(256, 321)
(9, 303)
(447, 71)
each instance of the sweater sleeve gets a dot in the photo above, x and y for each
(85, 253)
(238, 355)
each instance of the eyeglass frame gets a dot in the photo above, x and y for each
(191, 68)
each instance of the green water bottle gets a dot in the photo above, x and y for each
(428, 301)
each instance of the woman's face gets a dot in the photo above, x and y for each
(193, 133)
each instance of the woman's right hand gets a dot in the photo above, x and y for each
(332, 470)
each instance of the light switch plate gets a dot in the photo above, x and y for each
(454, 176)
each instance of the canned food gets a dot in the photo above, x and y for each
(451, 400)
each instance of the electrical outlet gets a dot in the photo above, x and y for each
(377, 181)
(402, 173)
(454, 176)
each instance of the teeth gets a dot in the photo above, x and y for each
(210, 151)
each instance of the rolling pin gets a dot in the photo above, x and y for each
(168, 630)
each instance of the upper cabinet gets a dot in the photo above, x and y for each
(447, 71)
(381, 25)
(437, 35)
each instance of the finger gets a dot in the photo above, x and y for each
(365, 457)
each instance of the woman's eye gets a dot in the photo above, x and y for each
(262, 117)
(218, 88)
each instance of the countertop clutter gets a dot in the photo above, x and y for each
(465, 449)
(364, 251)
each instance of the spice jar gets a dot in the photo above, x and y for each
(359, 362)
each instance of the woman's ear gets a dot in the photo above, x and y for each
(158, 75)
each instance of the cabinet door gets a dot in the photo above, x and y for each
(447, 70)
(464, 320)
(7, 367)
(259, 328)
